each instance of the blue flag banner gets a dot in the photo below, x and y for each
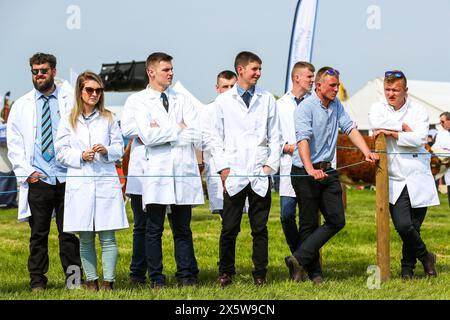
(302, 36)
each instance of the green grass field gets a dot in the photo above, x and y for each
(345, 261)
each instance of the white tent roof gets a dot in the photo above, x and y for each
(435, 96)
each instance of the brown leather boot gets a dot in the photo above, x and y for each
(91, 285)
(107, 285)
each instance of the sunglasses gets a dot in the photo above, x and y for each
(37, 71)
(333, 72)
(90, 90)
(397, 74)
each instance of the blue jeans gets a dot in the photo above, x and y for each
(288, 221)
(180, 220)
(138, 267)
(89, 257)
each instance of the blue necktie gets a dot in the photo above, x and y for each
(298, 100)
(48, 151)
(165, 101)
(246, 97)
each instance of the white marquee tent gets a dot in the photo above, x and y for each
(435, 96)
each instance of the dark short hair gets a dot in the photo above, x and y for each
(157, 57)
(446, 114)
(323, 71)
(226, 74)
(41, 58)
(244, 58)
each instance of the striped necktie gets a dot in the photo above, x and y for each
(48, 151)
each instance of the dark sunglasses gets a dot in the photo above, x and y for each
(333, 72)
(90, 90)
(42, 71)
(397, 74)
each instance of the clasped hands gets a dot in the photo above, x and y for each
(89, 154)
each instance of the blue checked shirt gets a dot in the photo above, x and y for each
(320, 126)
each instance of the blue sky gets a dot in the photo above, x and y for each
(204, 36)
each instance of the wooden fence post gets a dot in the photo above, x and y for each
(383, 217)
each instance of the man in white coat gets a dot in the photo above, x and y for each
(247, 149)
(225, 81)
(302, 77)
(443, 142)
(134, 189)
(167, 124)
(32, 128)
(411, 185)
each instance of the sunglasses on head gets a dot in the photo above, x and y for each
(397, 74)
(37, 71)
(90, 90)
(333, 72)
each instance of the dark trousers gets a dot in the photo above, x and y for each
(258, 214)
(448, 194)
(312, 195)
(407, 222)
(180, 220)
(43, 198)
(138, 267)
(288, 213)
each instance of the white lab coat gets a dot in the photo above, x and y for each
(213, 181)
(21, 136)
(171, 170)
(137, 153)
(245, 139)
(286, 107)
(443, 142)
(411, 170)
(93, 200)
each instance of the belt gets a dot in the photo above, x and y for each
(324, 165)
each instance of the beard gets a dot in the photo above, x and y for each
(45, 86)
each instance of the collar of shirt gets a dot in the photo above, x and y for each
(241, 91)
(306, 95)
(331, 105)
(89, 117)
(155, 93)
(53, 95)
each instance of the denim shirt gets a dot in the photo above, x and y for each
(320, 126)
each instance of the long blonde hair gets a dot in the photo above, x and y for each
(78, 107)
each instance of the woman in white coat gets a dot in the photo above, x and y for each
(88, 143)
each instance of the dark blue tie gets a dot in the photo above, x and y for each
(298, 100)
(246, 97)
(165, 101)
(48, 151)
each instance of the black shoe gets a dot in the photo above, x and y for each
(296, 271)
(260, 281)
(187, 282)
(225, 280)
(136, 282)
(317, 280)
(429, 265)
(158, 285)
(38, 289)
(407, 276)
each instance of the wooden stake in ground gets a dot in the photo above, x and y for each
(383, 218)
